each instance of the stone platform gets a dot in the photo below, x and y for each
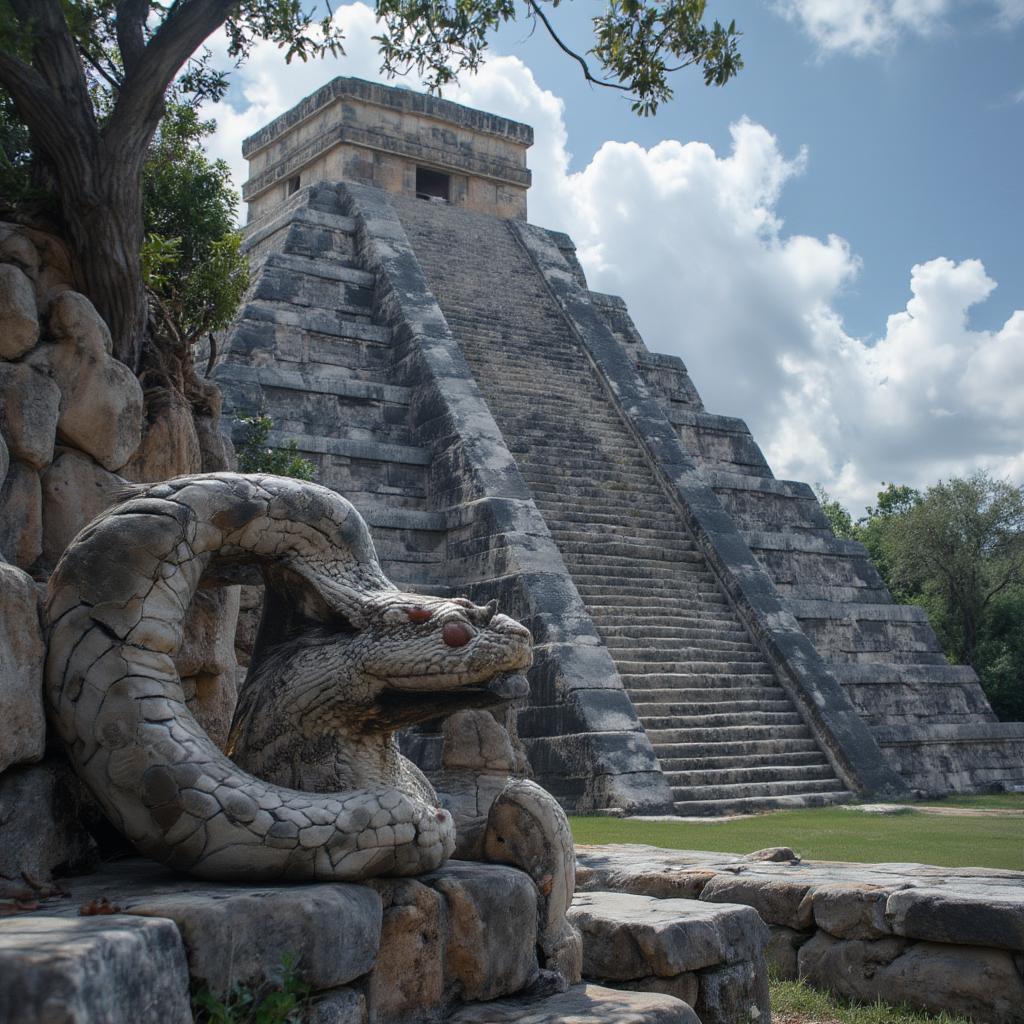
(938, 938)
(129, 944)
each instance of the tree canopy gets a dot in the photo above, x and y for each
(957, 549)
(88, 79)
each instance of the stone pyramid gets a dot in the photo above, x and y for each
(705, 644)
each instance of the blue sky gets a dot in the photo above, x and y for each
(832, 242)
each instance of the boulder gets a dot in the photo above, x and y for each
(250, 609)
(17, 248)
(101, 399)
(23, 736)
(19, 324)
(581, 1004)
(43, 814)
(170, 445)
(681, 986)
(21, 515)
(215, 447)
(75, 490)
(29, 408)
(983, 984)
(114, 969)
(206, 660)
(627, 937)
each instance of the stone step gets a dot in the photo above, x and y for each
(669, 587)
(749, 790)
(690, 779)
(725, 734)
(741, 762)
(684, 680)
(700, 696)
(617, 554)
(648, 630)
(697, 666)
(606, 532)
(734, 718)
(655, 648)
(654, 711)
(754, 805)
(736, 751)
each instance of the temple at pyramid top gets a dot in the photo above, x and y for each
(395, 139)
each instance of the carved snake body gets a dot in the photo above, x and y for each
(341, 653)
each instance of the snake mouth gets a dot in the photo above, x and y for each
(509, 685)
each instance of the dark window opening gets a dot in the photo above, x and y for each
(432, 184)
(292, 186)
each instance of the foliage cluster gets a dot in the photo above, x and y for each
(957, 549)
(255, 455)
(283, 1003)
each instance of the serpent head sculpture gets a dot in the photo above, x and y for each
(342, 660)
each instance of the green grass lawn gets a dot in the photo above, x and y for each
(832, 833)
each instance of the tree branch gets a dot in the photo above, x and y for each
(140, 103)
(587, 74)
(130, 22)
(55, 56)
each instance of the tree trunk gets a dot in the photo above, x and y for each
(101, 207)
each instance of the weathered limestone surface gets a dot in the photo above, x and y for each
(75, 489)
(169, 445)
(29, 408)
(939, 938)
(44, 812)
(982, 983)
(19, 325)
(582, 1004)
(23, 733)
(346, 1006)
(110, 969)
(101, 399)
(712, 953)
(21, 515)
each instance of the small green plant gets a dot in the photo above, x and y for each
(284, 1003)
(256, 456)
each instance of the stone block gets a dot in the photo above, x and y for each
(777, 900)
(19, 324)
(962, 918)
(21, 515)
(581, 1004)
(851, 911)
(101, 399)
(980, 983)
(781, 952)
(680, 986)
(408, 977)
(44, 811)
(733, 994)
(110, 969)
(491, 929)
(236, 934)
(474, 740)
(627, 937)
(23, 736)
(75, 490)
(29, 407)
(5, 459)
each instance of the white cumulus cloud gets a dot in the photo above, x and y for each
(693, 241)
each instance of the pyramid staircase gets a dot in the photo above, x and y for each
(726, 734)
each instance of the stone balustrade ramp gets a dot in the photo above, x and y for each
(938, 938)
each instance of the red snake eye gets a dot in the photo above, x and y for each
(457, 634)
(419, 614)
